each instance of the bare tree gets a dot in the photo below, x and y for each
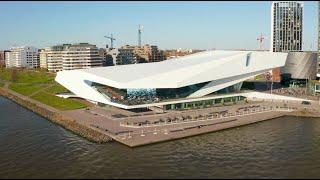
(14, 75)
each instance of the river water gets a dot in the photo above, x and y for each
(33, 147)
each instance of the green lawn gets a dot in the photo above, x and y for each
(57, 102)
(1, 84)
(25, 76)
(27, 82)
(26, 89)
(57, 89)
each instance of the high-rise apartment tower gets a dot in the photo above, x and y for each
(286, 26)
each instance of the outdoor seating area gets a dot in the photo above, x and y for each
(204, 117)
(296, 92)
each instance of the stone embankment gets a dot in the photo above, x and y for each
(56, 117)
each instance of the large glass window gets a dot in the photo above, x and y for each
(248, 59)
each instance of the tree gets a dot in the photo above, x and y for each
(14, 75)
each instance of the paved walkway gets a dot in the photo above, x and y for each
(128, 131)
(41, 90)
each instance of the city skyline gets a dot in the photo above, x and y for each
(166, 24)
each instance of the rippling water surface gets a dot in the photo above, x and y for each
(33, 147)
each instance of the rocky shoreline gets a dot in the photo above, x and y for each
(56, 117)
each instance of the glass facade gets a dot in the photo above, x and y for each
(204, 103)
(153, 95)
(248, 59)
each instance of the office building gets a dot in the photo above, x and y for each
(80, 56)
(25, 56)
(173, 83)
(286, 26)
(51, 57)
(68, 57)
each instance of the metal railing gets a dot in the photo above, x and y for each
(208, 117)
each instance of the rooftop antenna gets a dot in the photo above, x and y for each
(261, 39)
(139, 34)
(111, 39)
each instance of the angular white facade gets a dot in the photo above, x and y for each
(203, 73)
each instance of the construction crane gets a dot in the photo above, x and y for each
(111, 39)
(261, 40)
(139, 34)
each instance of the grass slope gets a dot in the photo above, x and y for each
(34, 82)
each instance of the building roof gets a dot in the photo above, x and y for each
(182, 71)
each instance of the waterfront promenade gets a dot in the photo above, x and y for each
(134, 129)
(101, 124)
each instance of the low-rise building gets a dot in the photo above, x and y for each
(168, 84)
(25, 56)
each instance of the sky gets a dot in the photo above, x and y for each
(169, 25)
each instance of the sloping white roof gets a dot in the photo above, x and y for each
(221, 68)
(182, 71)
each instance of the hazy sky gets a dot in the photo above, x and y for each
(200, 25)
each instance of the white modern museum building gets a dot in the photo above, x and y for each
(201, 79)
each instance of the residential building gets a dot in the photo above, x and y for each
(2, 57)
(82, 55)
(153, 53)
(103, 55)
(51, 57)
(25, 56)
(111, 57)
(67, 57)
(172, 84)
(6, 58)
(126, 55)
(43, 59)
(286, 26)
(139, 54)
(286, 29)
